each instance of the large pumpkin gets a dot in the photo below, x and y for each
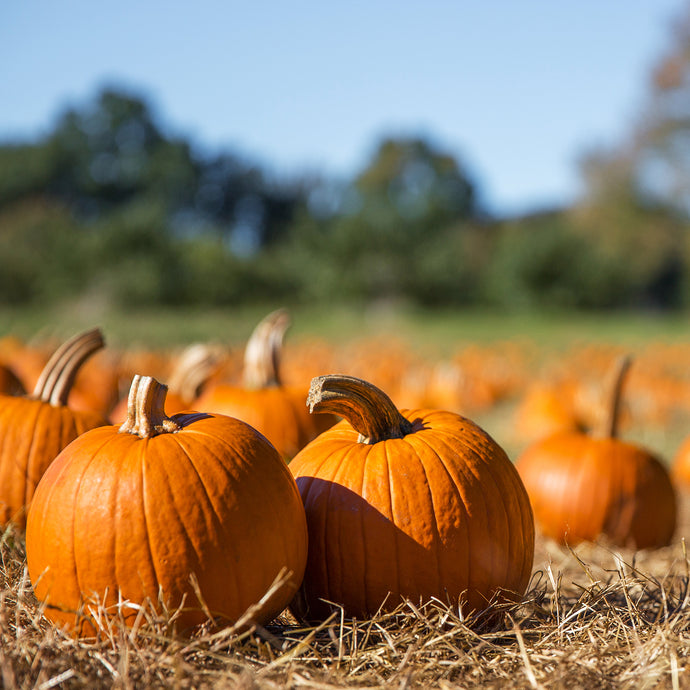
(262, 400)
(133, 513)
(414, 504)
(584, 486)
(35, 428)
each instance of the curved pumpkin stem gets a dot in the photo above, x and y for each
(145, 409)
(368, 409)
(620, 375)
(192, 370)
(56, 379)
(263, 350)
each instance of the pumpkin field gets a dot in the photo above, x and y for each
(556, 555)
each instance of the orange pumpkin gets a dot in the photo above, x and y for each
(545, 409)
(680, 467)
(415, 504)
(190, 373)
(9, 382)
(277, 411)
(130, 514)
(34, 429)
(26, 360)
(96, 386)
(584, 486)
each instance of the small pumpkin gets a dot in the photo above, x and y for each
(96, 387)
(27, 360)
(35, 428)
(10, 384)
(546, 408)
(583, 486)
(406, 504)
(129, 514)
(262, 400)
(187, 378)
(680, 466)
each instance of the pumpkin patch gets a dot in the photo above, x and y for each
(402, 530)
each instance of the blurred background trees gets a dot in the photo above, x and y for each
(110, 206)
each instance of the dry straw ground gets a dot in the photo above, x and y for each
(594, 617)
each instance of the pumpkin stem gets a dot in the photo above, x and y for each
(192, 370)
(56, 379)
(263, 350)
(145, 409)
(620, 374)
(368, 409)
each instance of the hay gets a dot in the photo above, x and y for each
(594, 617)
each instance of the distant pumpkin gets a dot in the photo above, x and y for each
(584, 486)
(186, 381)
(96, 386)
(545, 409)
(680, 467)
(261, 400)
(10, 383)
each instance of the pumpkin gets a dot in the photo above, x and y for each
(583, 486)
(546, 408)
(35, 428)
(406, 504)
(262, 400)
(10, 383)
(680, 466)
(187, 378)
(96, 386)
(27, 360)
(133, 514)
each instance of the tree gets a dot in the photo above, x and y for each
(410, 181)
(393, 222)
(652, 166)
(636, 207)
(662, 143)
(111, 151)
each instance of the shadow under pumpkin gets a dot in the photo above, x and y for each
(360, 560)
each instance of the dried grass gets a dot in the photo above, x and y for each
(594, 617)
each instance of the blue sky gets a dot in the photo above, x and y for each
(516, 90)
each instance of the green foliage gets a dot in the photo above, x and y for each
(584, 260)
(535, 263)
(25, 170)
(110, 206)
(410, 180)
(448, 268)
(643, 245)
(398, 233)
(43, 256)
(214, 275)
(139, 265)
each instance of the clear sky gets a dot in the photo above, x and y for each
(517, 90)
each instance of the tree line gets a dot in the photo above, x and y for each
(107, 204)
